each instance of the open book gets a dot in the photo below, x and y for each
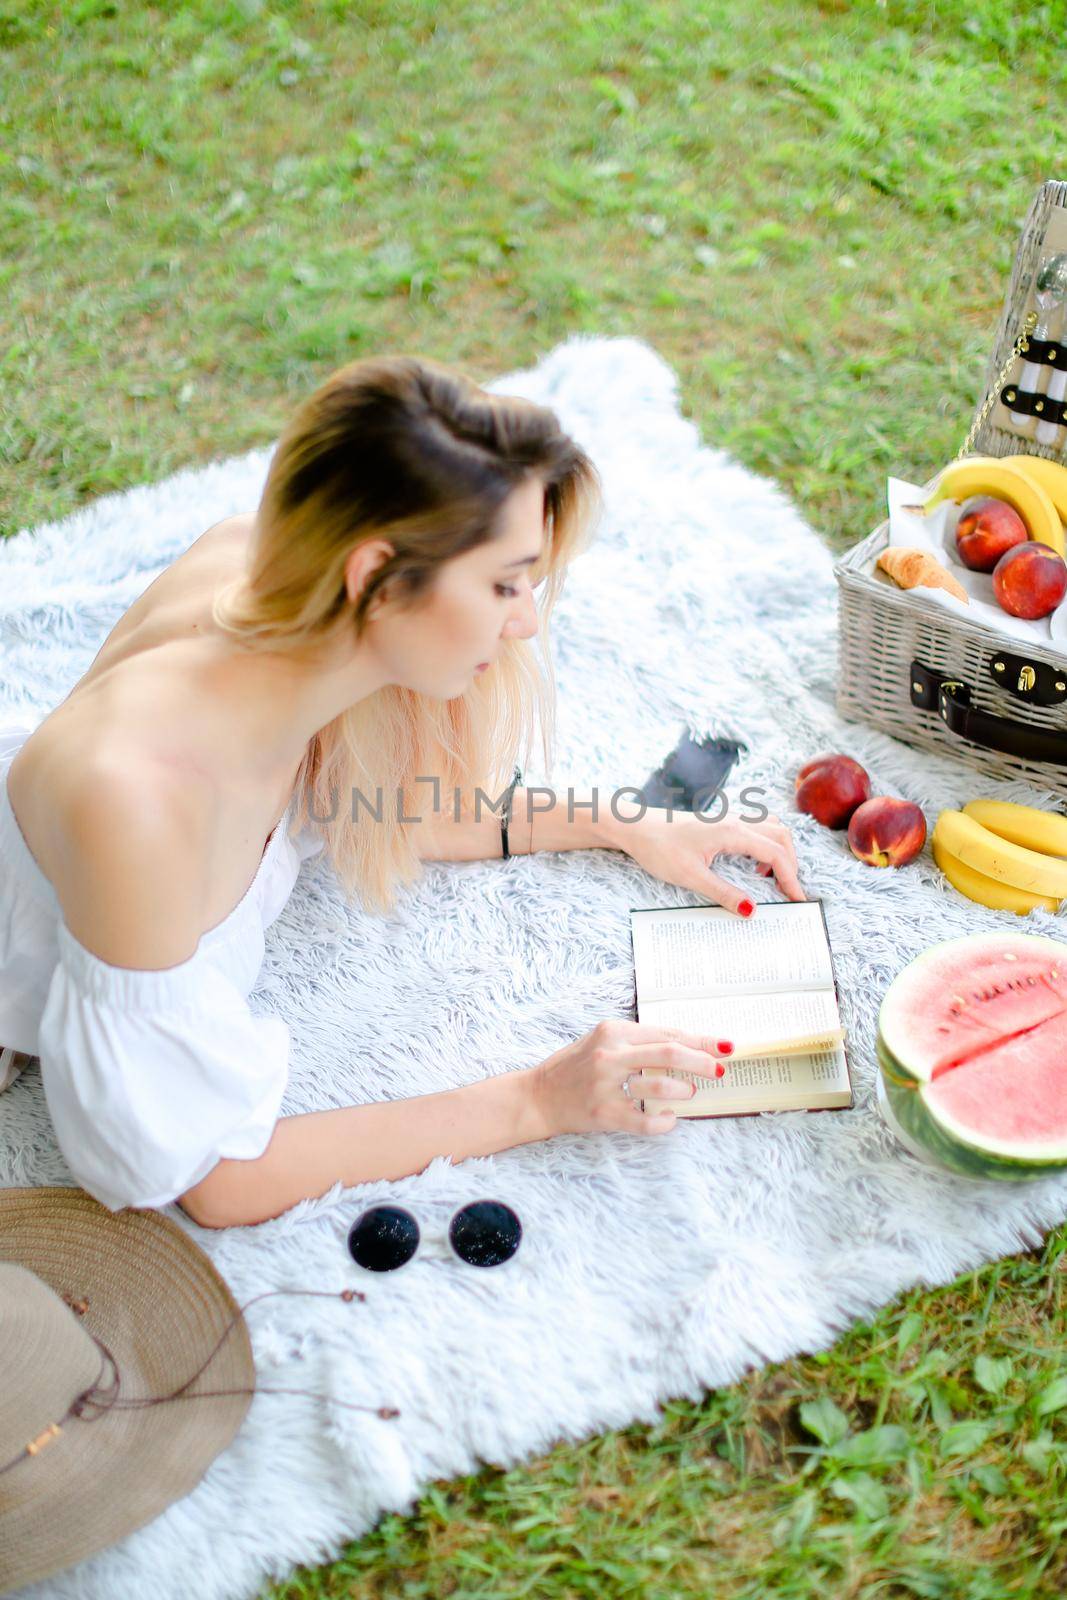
(766, 984)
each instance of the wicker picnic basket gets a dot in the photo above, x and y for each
(906, 664)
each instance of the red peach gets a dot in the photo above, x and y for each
(987, 527)
(886, 832)
(830, 787)
(1030, 580)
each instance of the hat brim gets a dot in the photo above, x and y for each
(159, 1304)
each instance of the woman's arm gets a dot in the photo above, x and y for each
(674, 845)
(311, 1152)
(541, 819)
(577, 1089)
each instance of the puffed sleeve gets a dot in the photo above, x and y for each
(151, 1077)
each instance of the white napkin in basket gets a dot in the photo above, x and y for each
(936, 534)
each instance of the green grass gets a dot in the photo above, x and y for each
(811, 211)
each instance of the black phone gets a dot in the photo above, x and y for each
(692, 774)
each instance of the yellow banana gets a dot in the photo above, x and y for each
(989, 475)
(1026, 825)
(1049, 474)
(998, 858)
(987, 891)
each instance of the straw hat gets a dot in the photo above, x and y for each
(69, 1269)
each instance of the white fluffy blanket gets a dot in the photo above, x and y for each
(650, 1267)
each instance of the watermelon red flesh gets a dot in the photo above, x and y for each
(970, 996)
(1013, 1097)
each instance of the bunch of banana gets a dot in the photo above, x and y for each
(1035, 487)
(1006, 856)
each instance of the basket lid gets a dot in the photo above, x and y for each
(1044, 231)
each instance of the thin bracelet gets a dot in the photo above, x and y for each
(506, 817)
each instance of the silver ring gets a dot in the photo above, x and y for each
(626, 1086)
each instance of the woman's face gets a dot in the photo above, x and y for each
(441, 644)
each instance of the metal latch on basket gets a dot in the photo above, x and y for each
(1034, 682)
(925, 686)
(950, 698)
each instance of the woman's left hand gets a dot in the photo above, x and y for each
(680, 848)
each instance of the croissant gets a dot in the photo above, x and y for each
(910, 567)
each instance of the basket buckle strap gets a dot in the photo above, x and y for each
(950, 698)
(1031, 403)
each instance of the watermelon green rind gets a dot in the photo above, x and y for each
(949, 1145)
(892, 1068)
(895, 1011)
(1029, 1154)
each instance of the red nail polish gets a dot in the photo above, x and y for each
(723, 1046)
(746, 908)
(720, 1071)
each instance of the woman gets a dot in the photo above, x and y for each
(367, 630)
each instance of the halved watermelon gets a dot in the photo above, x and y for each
(972, 1048)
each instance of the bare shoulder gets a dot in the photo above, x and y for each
(130, 878)
(238, 526)
(232, 532)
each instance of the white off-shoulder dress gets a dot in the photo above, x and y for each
(150, 1076)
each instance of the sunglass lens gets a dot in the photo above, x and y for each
(485, 1233)
(383, 1238)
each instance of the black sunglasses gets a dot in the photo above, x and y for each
(484, 1233)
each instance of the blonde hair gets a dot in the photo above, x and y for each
(408, 450)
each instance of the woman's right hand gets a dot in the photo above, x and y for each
(579, 1089)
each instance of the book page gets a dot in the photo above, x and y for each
(707, 950)
(770, 1080)
(762, 1077)
(764, 1083)
(747, 1017)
